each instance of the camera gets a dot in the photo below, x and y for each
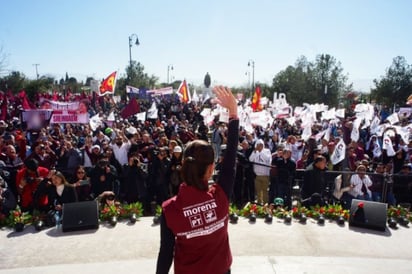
(110, 197)
(135, 161)
(103, 163)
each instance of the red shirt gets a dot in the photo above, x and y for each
(30, 188)
(199, 219)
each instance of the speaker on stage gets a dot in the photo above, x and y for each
(368, 214)
(80, 216)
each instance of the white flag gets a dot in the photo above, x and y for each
(95, 122)
(141, 116)
(152, 112)
(307, 132)
(355, 130)
(339, 153)
(393, 118)
(387, 144)
(111, 117)
(377, 152)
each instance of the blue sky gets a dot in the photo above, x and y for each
(90, 38)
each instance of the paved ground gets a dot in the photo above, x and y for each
(257, 248)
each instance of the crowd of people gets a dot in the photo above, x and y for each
(142, 160)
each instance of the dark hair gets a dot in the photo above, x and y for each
(318, 159)
(197, 156)
(31, 164)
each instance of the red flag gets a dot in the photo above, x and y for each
(183, 92)
(24, 101)
(107, 86)
(131, 108)
(55, 96)
(256, 99)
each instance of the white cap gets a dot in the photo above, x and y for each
(177, 149)
(96, 146)
(131, 130)
(259, 142)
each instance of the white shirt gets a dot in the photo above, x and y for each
(357, 182)
(120, 152)
(262, 157)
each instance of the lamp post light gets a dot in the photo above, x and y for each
(130, 46)
(252, 64)
(169, 68)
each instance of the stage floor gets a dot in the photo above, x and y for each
(256, 247)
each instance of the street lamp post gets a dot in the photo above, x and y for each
(37, 71)
(252, 63)
(169, 68)
(130, 46)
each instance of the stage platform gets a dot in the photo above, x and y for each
(256, 247)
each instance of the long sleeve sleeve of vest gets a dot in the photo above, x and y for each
(226, 177)
(165, 257)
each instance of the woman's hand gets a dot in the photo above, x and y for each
(226, 99)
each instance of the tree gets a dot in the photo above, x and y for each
(15, 82)
(42, 85)
(136, 77)
(396, 85)
(312, 82)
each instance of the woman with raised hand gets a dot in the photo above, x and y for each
(194, 223)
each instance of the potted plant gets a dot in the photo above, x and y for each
(233, 214)
(110, 213)
(132, 211)
(158, 213)
(18, 219)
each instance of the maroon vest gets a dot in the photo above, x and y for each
(199, 221)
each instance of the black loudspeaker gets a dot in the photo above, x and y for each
(368, 214)
(80, 216)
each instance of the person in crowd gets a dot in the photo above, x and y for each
(60, 193)
(286, 170)
(7, 199)
(95, 155)
(100, 138)
(86, 151)
(402, 186)
(70, 157)
(261, 159)
(27, 180)
(296, 147)
(301, 163)
(12, 163)
(81, 182)
(103, 177)
(176, 167)
(246, 171)
(377, 187)
(314, 181)
(134, 183)
(113, 160)
(44, 155)
(120, 146)
(160, 176)
(217, 139)
(399, 160)
(360, 183)
(199, 243)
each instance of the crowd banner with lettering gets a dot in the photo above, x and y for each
(57, 105)
(69, 117)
